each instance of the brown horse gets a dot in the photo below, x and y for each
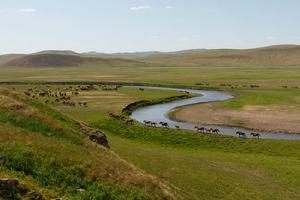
(129, 121)
(215, 131)
(200, 129)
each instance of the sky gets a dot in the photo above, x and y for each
(28, 26)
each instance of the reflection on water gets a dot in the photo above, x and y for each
(159, 113)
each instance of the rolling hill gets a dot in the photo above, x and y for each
(282, 55)
(50, 156)
(9, 57)
(64, 60)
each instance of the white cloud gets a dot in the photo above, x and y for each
(169, 7)
(27, 10)
(137, 8)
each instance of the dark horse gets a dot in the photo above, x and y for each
(200, 129)
(257, 135)
(164, 124)
(215, 131)
(241, 134)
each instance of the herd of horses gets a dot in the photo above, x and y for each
(202, 130)
(63, 95)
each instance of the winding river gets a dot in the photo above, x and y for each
(159, 113)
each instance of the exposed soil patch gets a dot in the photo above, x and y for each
(260, 118)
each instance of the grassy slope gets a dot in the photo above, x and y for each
(198, 167)
(8, 57)
(64, 60)
(269, 56)
(46, 152)
(215, 174)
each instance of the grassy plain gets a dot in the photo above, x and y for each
(48, 153)
(195, 166)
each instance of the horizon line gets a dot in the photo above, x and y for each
(146, 51)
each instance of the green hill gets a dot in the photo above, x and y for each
(51, 156)
(63, 60)
(9, 57)
(58, 52)
(282, 55)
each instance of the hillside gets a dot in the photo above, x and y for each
(133, 55)
(281, 55)
(64, 60)
(9, 57)
(50, 155)
(137, 55)
(58, 52)
(46, 60)
(284, 55)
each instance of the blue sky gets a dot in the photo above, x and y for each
(145, 25)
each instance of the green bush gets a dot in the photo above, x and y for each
(64, 177)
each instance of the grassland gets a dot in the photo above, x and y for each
(195, 166)
(48, 153)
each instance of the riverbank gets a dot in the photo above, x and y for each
(128, 110)
(276, 119)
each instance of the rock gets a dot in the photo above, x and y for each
(99, 138)
(94, 134)
(9, 188)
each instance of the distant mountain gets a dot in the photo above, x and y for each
(136, 55)
(59, 60)
(121, 55)
(280, 55)
(45, 60)
(187, 51)
(58, 52)
(9, 57)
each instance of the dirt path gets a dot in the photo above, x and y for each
(260, 118)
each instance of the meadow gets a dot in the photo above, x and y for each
(195, 166)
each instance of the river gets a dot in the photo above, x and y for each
(159, 113)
